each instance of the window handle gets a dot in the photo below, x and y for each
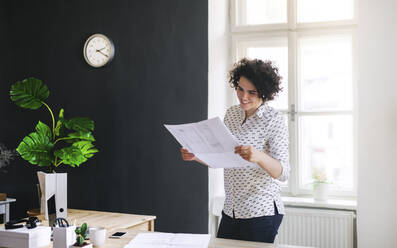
(292, 112)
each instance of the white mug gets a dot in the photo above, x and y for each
(97, 235)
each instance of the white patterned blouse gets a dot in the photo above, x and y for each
(251, 191)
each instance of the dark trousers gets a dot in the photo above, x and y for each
(259, 229)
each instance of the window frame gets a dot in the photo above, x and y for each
(291, 24)
(292, 31)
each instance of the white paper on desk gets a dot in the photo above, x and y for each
(169, 240)
(210, 141)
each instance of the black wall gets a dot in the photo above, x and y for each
(158, 75)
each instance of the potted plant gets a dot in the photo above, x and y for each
(81, 234)
(65, 141)
(320, 185)
(5, 158)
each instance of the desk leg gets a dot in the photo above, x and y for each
(7, 213)
(151, 226)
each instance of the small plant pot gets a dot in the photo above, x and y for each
(3, 196)
(320, 191)
(85, 246)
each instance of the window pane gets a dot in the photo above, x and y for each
(326, 146)
(325, 73)
(324, 10)
(254, 12)
(279, 56)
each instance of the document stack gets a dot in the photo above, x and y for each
(169, 240)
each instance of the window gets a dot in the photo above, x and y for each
(312, 44)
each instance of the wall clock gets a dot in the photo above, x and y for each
(98, 50)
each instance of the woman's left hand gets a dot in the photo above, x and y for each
(249, 153)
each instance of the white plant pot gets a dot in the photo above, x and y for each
(320, 191)
(53, 184)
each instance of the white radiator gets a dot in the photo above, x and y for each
(317, 227)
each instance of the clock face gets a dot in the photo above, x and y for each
(98, 50)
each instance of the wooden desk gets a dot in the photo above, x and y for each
(134, 224)
(130, 223)
(214, 242)
(111, 221)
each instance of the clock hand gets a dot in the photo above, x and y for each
(100, 49)
(102, 53)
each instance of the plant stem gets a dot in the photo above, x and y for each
(52, 167)
(53, 120)
(64, 138)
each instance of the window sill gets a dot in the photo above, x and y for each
(339, 204)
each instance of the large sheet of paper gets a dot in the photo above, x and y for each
(211, 142)
(169, 240)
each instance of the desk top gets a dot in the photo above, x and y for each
(214, 242)
(109, 220)
(122, 222)
(8, 200)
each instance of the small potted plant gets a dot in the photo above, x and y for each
(320, 185)
(81, 234)
(5, 158)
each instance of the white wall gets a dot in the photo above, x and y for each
(377, 124)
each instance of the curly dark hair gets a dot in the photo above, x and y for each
(263, 74)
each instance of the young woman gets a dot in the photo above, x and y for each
(253, 209)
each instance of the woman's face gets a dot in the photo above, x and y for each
(248, 96)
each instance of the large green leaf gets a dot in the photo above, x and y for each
(82, 136)
(43, 129)
(36, 148)
(29, 93)
(71, 155)
(86, 147)
(80, 124)
(76, 154)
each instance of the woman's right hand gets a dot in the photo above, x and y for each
(187, 156)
